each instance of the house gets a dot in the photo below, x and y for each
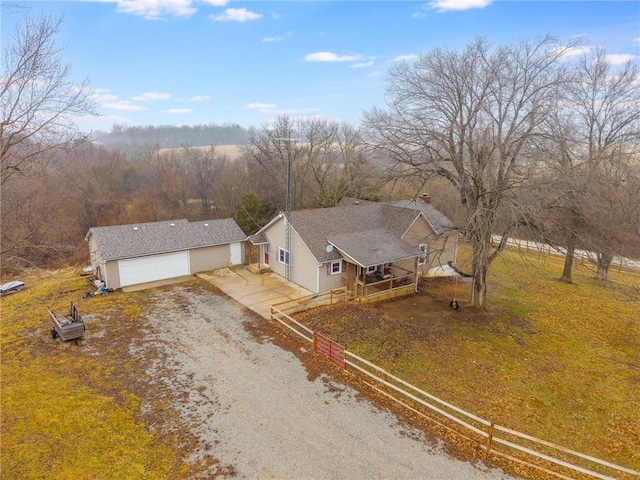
(124, 255)
(366, 247)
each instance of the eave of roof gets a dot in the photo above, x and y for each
(155, 238)
(373, 247)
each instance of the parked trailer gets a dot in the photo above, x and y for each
(68, 327)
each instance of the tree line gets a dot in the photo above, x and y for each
(129, 138)
(516, 140)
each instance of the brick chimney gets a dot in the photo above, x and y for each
(425, 197)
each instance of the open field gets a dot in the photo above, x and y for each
(557, 361)
(232, 152)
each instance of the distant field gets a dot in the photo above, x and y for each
(232, 152)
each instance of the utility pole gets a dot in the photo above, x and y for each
(287, 214)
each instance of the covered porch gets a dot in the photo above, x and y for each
(380, 282)
(379, 265)
(258, 253)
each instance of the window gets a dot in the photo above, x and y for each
(335, 267)
(424, 258)
(283, 256)
(372, 269)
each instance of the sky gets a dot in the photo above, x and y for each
(189, 62)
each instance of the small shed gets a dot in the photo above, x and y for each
(125, 255)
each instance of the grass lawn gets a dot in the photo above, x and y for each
(67, 413)
(557, 361)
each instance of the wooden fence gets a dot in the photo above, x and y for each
(492, 438)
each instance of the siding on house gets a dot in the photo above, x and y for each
(112, 274)
(304, 267)
(329, 281)
(209, 258)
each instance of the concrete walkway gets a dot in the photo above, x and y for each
(256, 291)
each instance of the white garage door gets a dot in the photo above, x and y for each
(152, 268)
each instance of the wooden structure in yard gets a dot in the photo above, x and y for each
(68, 327)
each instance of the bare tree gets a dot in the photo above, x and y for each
(469, 117)
(38, 104)
(38, 100)
(327, 160)
(200, 165)
(605, 102)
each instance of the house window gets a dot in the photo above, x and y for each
(283, 256)
(424, 258)
(372, 269)
(336, 267)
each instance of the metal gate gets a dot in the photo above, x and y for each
(323, 345)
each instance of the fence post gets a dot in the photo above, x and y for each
(331, 297)
(490, 438)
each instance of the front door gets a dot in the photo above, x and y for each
(266, 254)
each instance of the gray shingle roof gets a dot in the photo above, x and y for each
(137, 240)
(441, 224)
(438, 220)
(316, 227)
(374, 247)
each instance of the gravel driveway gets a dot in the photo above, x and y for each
(251, 404)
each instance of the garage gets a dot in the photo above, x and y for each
(153, 267)
(126, 255)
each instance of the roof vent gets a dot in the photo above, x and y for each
(172, 224)
(206, 224)
(135, 228)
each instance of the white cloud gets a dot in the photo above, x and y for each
(446, 5)
(261, 107)
(405, 58)
(152, 97)
(362, 64)
(272, 109)
(154, 9)
(124, 106)
(636, 41)
(330, 57)
(179, 111)
(197, 98)
(619, 58)
(574, 51)
(277, 39)
(418, 15)
(102, 96)
(236, 15)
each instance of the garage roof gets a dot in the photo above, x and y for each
(140, 239)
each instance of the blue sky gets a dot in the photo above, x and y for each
(177, 62)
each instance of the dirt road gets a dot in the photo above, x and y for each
(251, 404)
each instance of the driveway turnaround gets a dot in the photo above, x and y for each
(253, 408)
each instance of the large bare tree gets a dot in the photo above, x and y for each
(604, 105)
(469, 117)
(325, 157)
(38, 105)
